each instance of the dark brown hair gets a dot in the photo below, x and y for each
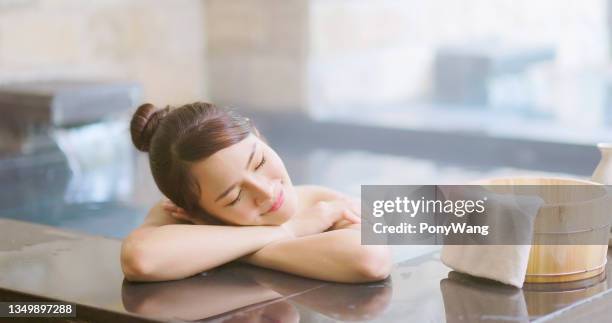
(175, 138)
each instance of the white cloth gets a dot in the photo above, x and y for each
(503, 263)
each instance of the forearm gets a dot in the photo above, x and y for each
(177, 251)
(334, 255)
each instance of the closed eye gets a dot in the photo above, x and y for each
(236, 199)
(261, 163)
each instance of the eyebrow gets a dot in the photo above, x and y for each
(229, 189)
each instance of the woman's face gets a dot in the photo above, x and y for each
(246, 184)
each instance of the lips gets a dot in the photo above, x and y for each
(278, 203)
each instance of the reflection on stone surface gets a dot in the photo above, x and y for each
(198, 297)
(53, 263)
(239, 293)
(544, 299)
(472, 299)
(73, 267)
(343, 302)
(468, 298)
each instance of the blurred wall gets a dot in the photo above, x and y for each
(258, 53)
(311, 56)
(374, 53)
(158, 43)
(327, 56)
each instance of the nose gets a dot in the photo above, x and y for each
(262, 188)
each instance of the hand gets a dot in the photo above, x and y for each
(320, 217)
(180, 214)
(354, 205)
(332, 195)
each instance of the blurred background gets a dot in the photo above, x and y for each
(348, 92)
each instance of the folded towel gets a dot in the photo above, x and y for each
(503, 263)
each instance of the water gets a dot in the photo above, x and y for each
(91, 179)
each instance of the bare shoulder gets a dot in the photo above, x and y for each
(309, 195)
(305, 190)
(319, 193)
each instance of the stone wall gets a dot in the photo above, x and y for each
(160, 44)
(258, 53)
(309, 56)
(327, 57)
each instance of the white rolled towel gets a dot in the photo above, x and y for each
(503, 263)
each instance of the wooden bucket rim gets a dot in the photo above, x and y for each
(582, 271)
(549, 205)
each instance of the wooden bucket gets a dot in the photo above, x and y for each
(567, 213)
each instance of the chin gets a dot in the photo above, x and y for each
(279, 219)
(287, 210)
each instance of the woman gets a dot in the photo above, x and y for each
(232, 199)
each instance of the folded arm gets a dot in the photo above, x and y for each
(333, 255)
(164, 248)
(336, 255)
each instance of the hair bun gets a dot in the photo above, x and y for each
(144, 123)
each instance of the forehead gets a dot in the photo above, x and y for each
(215, 173)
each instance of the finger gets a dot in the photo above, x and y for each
(355, 206)
(179, 216)
(346, 212)
(171, 208)
(351, 203)
(349, 215)
(179, 210)
(182, 212)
